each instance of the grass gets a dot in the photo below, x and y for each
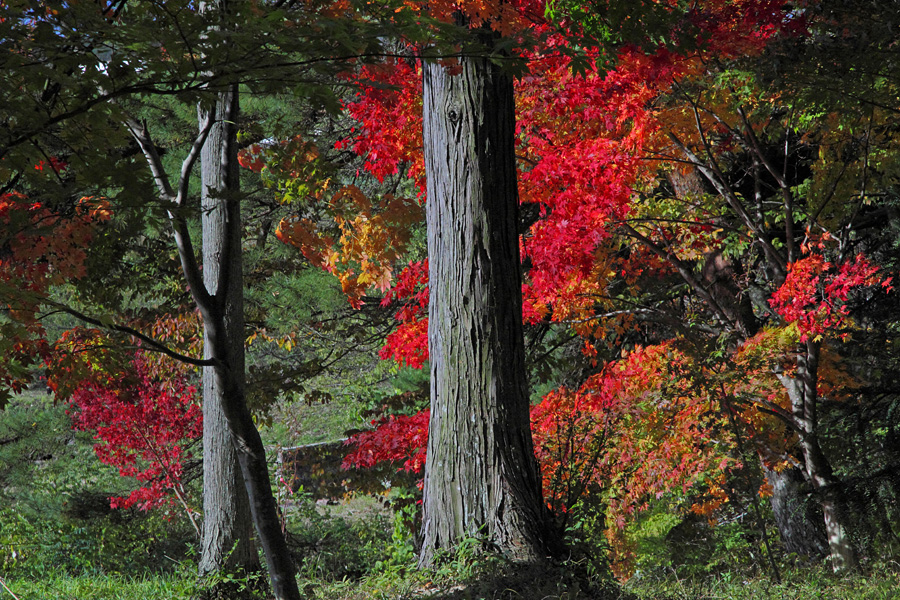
(807, 583)
(494, 582)
(101, 587)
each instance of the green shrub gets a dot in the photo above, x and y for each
(336, 546)
(54, 509)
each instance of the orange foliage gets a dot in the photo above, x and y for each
(39, 249)
(371, 240)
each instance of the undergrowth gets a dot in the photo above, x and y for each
(60, 540)
(807, 583)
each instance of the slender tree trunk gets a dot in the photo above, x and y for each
(481, 476)
(223, 326)
(224, 336)
(803, 393)
(227, 545)
(221, 304)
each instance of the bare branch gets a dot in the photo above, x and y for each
(188, 165)
(779, 176)
(152, 344)
(716, 178)
(686, 273)
(176, 213)
(142, 137)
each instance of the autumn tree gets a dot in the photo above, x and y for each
(501, 504)
(584, 178)
(128, 53)
(469, 172)
(751, 228)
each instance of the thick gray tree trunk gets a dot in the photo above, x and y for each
(481, 476)
(795, 518)
(221, 304)
(227, 544)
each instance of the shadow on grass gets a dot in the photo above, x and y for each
(530, 582)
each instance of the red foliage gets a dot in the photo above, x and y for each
(408, 344)
(38, 249)
(43, 248)
(389, 94)
(618, 434)
(395, 438)
(639, 429)
(143, 426)
(55, 164)
(815, 292)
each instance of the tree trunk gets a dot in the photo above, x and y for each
(481, 476)
(799, 525)
(227, 545)
(255, 471)
(224, 343)
(221, 304)
(803, 393)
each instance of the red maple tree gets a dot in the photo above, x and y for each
(144, 426)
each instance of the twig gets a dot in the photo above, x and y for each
(5, 587)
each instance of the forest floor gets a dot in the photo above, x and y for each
(60, 540)
(814, 585)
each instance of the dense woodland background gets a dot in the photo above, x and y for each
(708, 221)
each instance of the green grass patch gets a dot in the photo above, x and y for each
(814, 582)
(101, 587)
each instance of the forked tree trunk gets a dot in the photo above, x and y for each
(227, 545)
(221, 304)
(481, 476)
(223, 328)
(802, 390)
(224, 337)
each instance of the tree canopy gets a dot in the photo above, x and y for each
(664, 232)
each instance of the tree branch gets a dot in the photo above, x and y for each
(142, 136)
(716, 178)
(686, 273)
(188, 165)
(780, 178)
(153, 345)
(167, 193)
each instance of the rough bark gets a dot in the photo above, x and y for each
(796, 519)
(802, 390)
(227, 545)
(481, 477)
